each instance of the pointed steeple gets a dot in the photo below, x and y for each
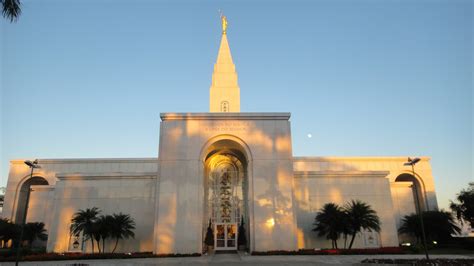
(225, 91)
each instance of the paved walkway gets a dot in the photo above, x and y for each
(236, 259)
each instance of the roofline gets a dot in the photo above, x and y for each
(358, 158)
(352, 174)
(155, 159)
(89, 160)
(225, 116)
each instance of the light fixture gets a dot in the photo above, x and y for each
(411, 161)
(32, 164)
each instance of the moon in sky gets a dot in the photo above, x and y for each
(310, 136)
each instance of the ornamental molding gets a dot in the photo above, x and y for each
(224, 116)
(98, 176)
(336, 174)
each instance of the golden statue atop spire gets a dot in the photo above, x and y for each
(224, 23)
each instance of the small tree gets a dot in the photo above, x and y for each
(122, 227)
(328, 222)
(464, 210)
(104, 227)
(209, 240)
(242, 236)
(345, 227)
(35, 231)
(8, 231)
(96, 234)
(83, 221)
(360, 216)
(439, 225)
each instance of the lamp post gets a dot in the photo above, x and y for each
(411, 162)
(32, 166)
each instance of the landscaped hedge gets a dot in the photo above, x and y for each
(88, 256)
(420, 262)
(366, 251)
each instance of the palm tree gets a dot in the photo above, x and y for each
(345, 227)
(8, 231)
(122, 226)
(104, 229)
(83, 221)
(439, 225)
(360, 216)
(35, 231)
(96, 234)
(11, 9)
(328, 222)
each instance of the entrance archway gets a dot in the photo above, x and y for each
(23, 197)
(226, 192)
(417, 188)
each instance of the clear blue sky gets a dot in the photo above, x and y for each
(89, 78)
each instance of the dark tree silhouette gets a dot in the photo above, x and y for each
(328, 222)
(104, 226)
(464, 210)
(242, 236)
(439, 225)
(8, 231)
(122, 228)
(83, 221)
(360, 216)
(11, 9)
(99, 229)
(35, 231)
(96, 234)
(209, 240)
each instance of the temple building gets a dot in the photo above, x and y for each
(221, 166)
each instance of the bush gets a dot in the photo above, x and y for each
(209, 240)
(11, 252)
(88, 256)
(368, 251)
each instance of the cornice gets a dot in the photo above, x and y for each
(96, 176)
(356, 158)
(90, 160)
(355, 174)
(224, 116)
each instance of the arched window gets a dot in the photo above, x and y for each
(225, 106)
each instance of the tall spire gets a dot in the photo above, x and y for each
(225, 91)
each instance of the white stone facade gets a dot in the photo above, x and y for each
(165, 195)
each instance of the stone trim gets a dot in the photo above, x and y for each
(359, 158)
(401, 184)
(335, 174)
(96, 176)
(224, 116)
(41, 187)
(90, 160)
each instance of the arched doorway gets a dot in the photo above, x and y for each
(418, 190)
(24, 195)
(226, 190)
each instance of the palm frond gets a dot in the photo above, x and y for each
(11, 9)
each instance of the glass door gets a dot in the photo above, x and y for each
(225, 236)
